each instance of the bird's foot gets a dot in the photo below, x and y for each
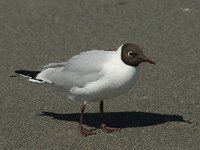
(109, 129)
(86, 132)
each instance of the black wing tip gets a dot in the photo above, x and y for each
(18, 71)
(21, 71)
(28, 73)
(12, 76)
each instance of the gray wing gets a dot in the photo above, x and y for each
(79, 70)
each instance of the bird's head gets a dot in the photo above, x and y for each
(133, 55)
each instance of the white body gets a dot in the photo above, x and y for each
(93, 75)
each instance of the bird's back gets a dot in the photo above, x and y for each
(77, 71)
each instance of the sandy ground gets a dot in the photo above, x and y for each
(152, 114)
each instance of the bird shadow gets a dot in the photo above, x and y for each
(119, 119)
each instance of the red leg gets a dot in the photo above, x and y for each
(83, 131)
(104, 127)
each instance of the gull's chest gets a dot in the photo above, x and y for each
(117, 78)
(121, 76)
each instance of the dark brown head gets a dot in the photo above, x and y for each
(132, 55)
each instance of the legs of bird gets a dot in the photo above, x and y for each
(83, 131)
(104, 127)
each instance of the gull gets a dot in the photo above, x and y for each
(94, 75)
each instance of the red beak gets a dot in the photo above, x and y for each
(146, 59)
(149, 61)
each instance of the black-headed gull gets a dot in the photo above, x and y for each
(93, 76)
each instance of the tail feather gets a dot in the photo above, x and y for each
(32, 75)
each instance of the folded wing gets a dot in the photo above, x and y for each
(78, 71)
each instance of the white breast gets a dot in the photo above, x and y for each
(118, 78)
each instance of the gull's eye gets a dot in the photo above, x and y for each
(130, 54)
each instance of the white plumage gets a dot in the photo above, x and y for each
(92, 75)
